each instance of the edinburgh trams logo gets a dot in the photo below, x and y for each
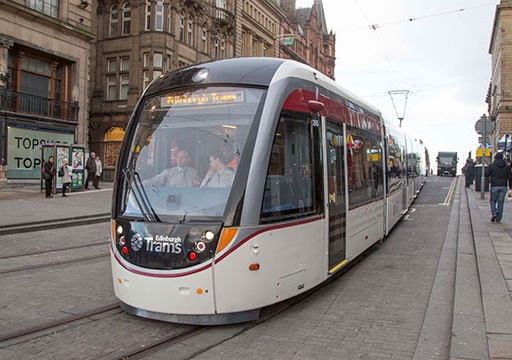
(137, 242)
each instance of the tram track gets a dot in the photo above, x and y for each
(36, 253)
(165, 345)
(30, 333)
(60, 223)
(52, 264)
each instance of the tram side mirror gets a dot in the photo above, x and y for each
(315, 106)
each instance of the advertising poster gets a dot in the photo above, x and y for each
(62, 153)
(77, 164)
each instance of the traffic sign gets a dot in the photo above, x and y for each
(481, 123)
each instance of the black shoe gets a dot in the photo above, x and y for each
(49, 196)
(64, 195)
(493, 219)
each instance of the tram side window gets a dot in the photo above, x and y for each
(289, 183)
(396, 164)
(364, 163)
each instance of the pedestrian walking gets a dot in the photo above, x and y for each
(500, 177)
(99, 169)
(469, 172)
(90, 166)
(48, 174)
(66, 179)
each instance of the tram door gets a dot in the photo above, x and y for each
(336, 194)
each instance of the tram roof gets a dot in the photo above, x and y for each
(248, 71)
(255, 71)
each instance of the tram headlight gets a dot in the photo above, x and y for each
(200, 76)
(208, 236)
(119, 229)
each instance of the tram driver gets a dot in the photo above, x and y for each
(182, 175)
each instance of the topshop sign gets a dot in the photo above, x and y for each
(24, 151)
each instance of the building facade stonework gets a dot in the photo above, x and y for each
(44, 79)
(137, 41)
(499, 97)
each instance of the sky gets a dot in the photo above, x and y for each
(436, 51)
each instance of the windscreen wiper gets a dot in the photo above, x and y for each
(133, 182)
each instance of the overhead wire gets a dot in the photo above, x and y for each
(376, 26)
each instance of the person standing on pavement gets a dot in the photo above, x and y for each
(90, 166)
(469, 172)
(99, 169)
(66, 179)
(500, 176)
(49, 171)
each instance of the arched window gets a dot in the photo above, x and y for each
(147, 17)
(112, 145)
(169, 20)
(127, 18)
(182, 26)
(114, 21)
(190, 31)
(204, 38)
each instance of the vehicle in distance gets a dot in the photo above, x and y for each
(447, 163)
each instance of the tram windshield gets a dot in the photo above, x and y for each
(185, 152)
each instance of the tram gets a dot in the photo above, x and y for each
(244, 182)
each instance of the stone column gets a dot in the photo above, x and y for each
(5, 45)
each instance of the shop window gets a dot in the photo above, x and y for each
(112, 141)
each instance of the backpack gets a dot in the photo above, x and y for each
(61, 172)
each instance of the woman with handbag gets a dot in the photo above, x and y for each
(48, 175)
(66, 179)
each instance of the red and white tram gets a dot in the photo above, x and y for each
(244, 182)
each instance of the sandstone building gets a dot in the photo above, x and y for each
(499, 97)
(137, 41)
(44, 80)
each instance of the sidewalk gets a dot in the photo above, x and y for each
(28, 204)
(493, 253)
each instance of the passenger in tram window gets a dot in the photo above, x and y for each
(500, 176)
(181, 175)
(229, 156)
(219, 175)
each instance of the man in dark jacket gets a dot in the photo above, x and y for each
(49, 170)
(500, 177)
(469, 171)
(90, 166)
